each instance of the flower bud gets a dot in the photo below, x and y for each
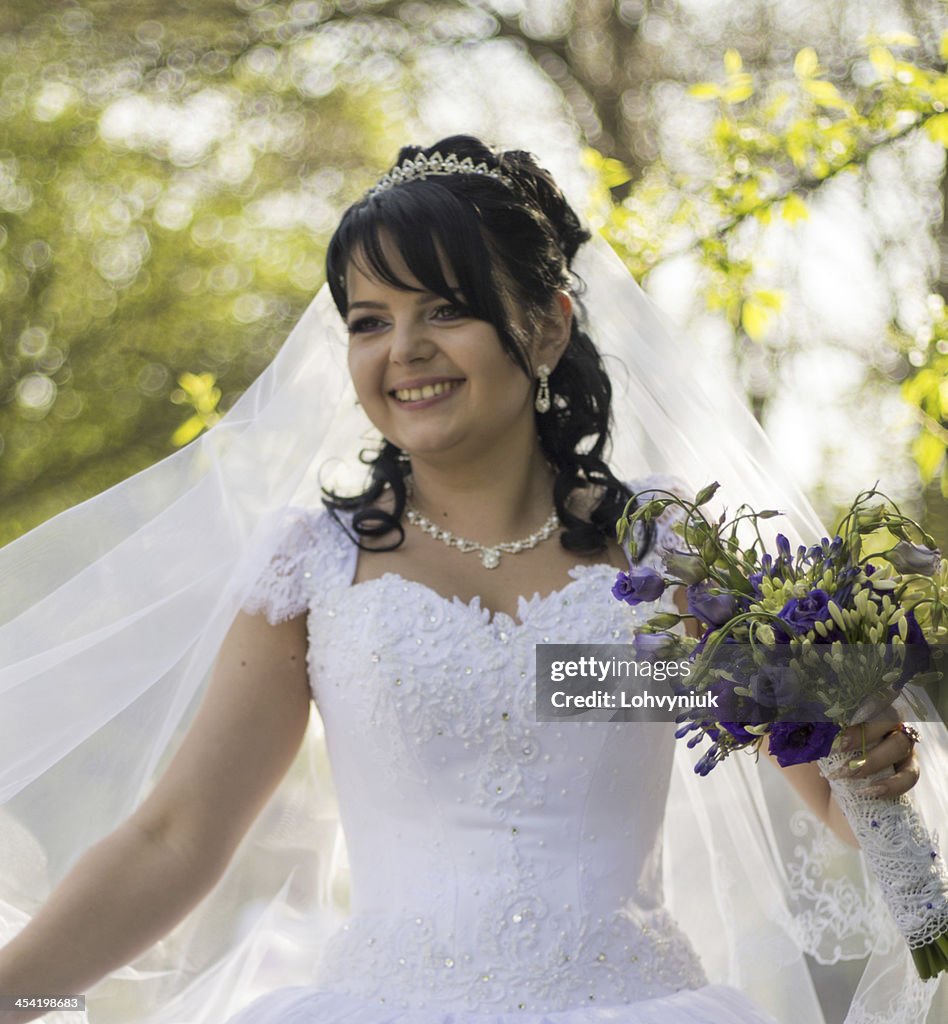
(687, 567)
(706, 493)
(837, 614)
(664, 620)
(869, 517)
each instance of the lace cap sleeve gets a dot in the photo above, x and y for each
(282, 591)
(664, 536)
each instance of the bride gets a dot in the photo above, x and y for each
(500, 867)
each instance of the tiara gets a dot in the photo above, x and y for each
(423, 166)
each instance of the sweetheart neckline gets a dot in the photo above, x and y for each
(578, 573)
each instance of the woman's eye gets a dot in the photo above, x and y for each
(366, 323)
(450, 312)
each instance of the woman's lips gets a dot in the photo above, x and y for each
(423, 395)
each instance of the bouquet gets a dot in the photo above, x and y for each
(798, 645)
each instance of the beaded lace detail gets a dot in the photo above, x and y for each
(905, 858)
(496, 861)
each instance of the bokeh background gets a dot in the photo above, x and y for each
(170, 171)
(773, 171)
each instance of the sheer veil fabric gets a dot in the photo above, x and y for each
(111, 615)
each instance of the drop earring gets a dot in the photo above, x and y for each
(542, 403)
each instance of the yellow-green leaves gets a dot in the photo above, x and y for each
(738, 87)
(937, 128)
(882, 60)
(794, 209)
(806, 64)
(611, 173)
(758, 311)
(199, 391)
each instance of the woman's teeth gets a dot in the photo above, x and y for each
(428, 391)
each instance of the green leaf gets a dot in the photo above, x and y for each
(740, 89)
(806, 64)
(825, 93)
(611, 172)
(755, 318)
(794, 209)
(937, 128)
(928, 452)
(732, 62)
(883, 61)
(771, 299)
(188, 431)
(943, 47)
(897, 39)
(705, 91)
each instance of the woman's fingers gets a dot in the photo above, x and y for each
(892, 749)
(872, 732)
(906, 775)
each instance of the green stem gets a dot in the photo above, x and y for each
(932, 958)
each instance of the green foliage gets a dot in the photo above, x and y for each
(167, 189)
(769, 146)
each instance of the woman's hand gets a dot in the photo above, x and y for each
(885, 745)
(879, 744)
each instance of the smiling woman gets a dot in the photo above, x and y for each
(500, 866)
(467, 277)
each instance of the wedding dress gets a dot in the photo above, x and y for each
(111, 618)
(499, 865)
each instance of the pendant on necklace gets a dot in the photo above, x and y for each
(490, 558)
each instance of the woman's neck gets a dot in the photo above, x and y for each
(496, 500)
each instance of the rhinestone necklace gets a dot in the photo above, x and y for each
(490, 556)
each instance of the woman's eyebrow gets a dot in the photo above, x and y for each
(422, 297)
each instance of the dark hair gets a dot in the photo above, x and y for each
(511, 247)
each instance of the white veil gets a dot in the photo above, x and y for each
(111, 615)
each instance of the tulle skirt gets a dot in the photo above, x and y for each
(303, 1004)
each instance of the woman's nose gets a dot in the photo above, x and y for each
(410, 342)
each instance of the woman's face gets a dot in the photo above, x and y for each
(433, 380)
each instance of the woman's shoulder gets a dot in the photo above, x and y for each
(313, 551)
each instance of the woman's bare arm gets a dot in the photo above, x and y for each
(136, 884)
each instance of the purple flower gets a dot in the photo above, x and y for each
(802, 612)
(916, 654)
(638, 585)
(737, 730)
(711, 757)
(800, 742)
(776, 684)
(714, 609)
(914, 558)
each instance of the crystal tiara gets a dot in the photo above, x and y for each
(423, 166)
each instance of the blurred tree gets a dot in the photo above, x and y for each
(167, 187)
(169, 172)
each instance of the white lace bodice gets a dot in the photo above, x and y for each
(495, 861)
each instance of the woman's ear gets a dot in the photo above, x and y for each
(556, 330)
